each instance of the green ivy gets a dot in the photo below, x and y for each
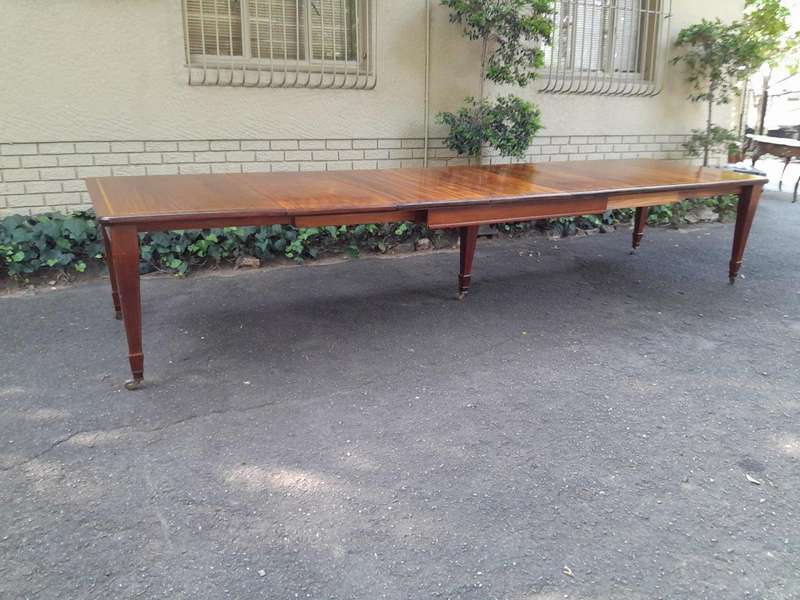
(30, 245)
(54, 241)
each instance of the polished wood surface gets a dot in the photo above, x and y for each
(468, 238)
(746, 210)
(639, 223)
(458, 197)
(166, 198)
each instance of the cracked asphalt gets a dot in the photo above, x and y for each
(587, 425)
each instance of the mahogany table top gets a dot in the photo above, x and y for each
(173, 197)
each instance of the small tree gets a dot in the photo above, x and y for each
(769, 22)
(511, 33)
(719, 57)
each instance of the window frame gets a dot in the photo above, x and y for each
(649, 58)
(363, 66)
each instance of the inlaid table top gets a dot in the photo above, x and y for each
(176, 197)
(455, 197)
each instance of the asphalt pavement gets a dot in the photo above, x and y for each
(587, 424)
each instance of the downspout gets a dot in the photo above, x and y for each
(427, 80)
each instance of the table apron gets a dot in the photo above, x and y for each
(502, 212)
(444, 217)
(390, 216)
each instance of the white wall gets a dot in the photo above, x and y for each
(114, 70)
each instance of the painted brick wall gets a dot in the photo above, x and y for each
(41, 177)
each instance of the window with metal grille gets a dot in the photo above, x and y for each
(281, 43)
(611, 47)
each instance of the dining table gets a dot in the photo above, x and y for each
(459, 197)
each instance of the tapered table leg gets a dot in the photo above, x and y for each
(748, 202)
(639, 225)
(469, 236)
(111, 274)
(125, 250)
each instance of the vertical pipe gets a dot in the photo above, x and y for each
(345, 54)
(271, 46)
(357, 7)
(187, 39)
(567, 33)
(373, 55)
(426, 117)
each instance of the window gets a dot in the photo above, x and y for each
(280, 43)
(612, 47)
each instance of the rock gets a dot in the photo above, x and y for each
(423, 244)
(691, 218)
(606, 228)
(248, 261)
(702, 213)
(552, 234)
(488, 231)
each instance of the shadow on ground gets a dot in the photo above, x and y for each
(352, 431)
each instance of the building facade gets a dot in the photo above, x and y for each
(123, 87)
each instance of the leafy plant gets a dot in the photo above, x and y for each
(512, 33)
(511, 30)
(28, 244)
(507, 124)
(711, 139)
(769, 22)
(719, 57)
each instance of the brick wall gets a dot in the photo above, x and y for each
(40, 177)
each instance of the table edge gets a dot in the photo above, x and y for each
(185, 216)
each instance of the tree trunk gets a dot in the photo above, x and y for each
(707, 145)
(762, 108)
(740, 122)
(483, 66)
(762, 111)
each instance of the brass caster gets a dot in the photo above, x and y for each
(634, 252)
(118, 315)
(732, 280)
(461, 295)
(133, 384)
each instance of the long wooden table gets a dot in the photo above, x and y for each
(456, 197)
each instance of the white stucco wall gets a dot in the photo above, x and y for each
(95, 88)
(82, 70)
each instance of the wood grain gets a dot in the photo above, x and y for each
(462, 197)
(503, 212)
(182, 199)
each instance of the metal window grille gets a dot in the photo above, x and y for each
(281, 43)
(608, 47)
